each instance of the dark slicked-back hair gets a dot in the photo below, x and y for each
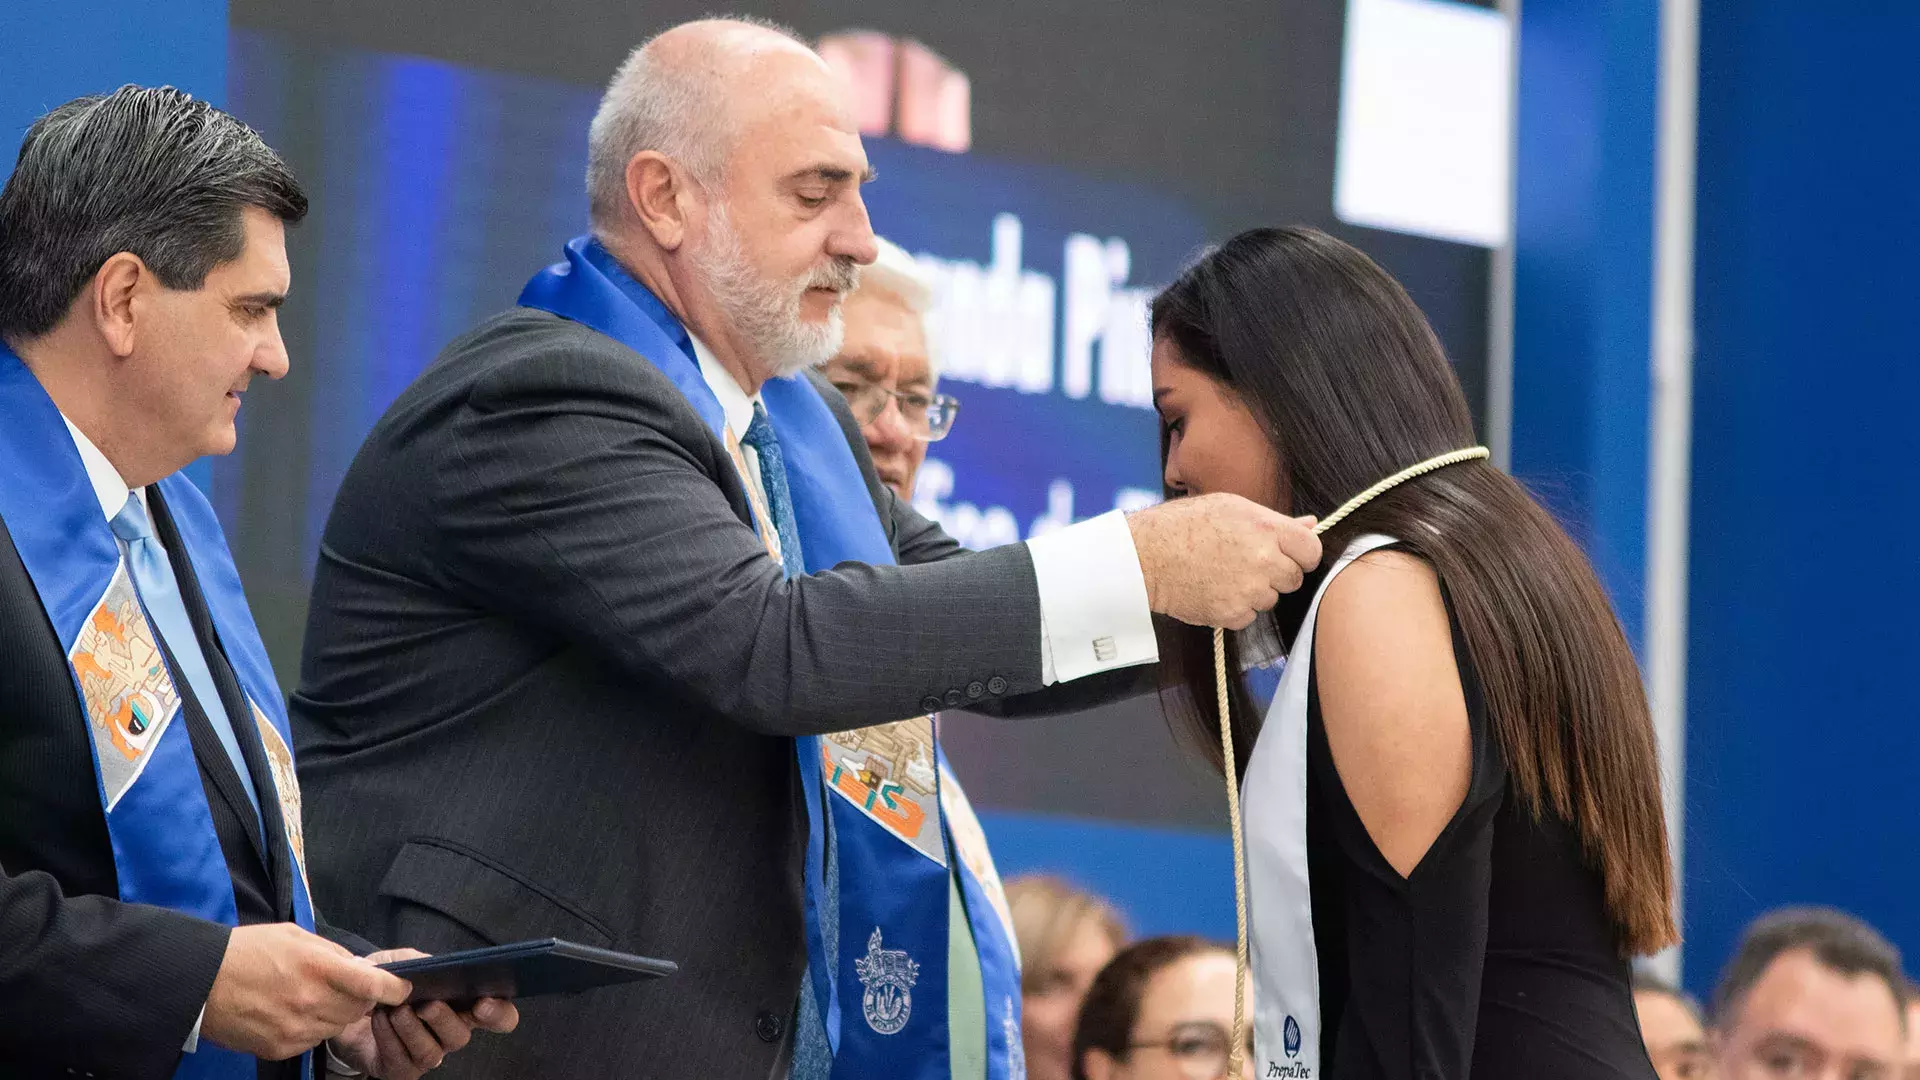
(149, 171)
(1841, 943)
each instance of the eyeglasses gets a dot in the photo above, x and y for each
(929, 417)
(1198, 1048)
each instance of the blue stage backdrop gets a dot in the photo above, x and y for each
(459, 182)
(446, 162)
(1802, 747)
(55, 52)
(439, 188)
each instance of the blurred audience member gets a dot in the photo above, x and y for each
(886, 370)
(1675, 1034)
(1160, 1010)
(1811, 993)
(1066, 936)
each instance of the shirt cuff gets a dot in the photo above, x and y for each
(336, 1067)
(1093, 600)
(193, 1037)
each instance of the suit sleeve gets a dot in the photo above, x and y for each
(92, 985)
(917, 539)
(346, 939)
(575, 498)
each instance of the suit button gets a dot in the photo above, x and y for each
(975, 689)
(996, 685)
(767, 1026)
(954, 697)
(929, 704)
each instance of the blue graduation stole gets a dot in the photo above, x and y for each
(992, 922)
(165, 850)
(879, 976)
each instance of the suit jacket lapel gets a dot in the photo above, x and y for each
(273, 853)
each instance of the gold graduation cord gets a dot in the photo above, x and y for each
(1238, 1042)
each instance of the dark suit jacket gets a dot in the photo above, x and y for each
(552, 680)
(90, 985)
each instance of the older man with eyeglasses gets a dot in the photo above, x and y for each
(886, 370)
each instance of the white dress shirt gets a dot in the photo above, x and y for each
(1093, 597)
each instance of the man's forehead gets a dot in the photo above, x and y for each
(1660, 1012)
(797, 98)
(262, 262)
(1799, 997)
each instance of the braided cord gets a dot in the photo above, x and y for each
(1238, 1040)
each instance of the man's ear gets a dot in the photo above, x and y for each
(1098, 1064)
(112, 298)
(660, 193)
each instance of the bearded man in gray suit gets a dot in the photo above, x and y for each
(595, 588)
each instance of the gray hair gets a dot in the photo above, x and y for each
(146, 170)
(894, 271)
(650, 105)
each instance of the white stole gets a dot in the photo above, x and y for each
(1286, 970)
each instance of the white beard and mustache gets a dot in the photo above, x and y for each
(765, 314)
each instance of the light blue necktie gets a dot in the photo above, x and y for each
(160, 594)
(812, 1057)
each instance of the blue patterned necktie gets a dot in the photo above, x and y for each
(812, 1058)
(773, 478)
(159, 593)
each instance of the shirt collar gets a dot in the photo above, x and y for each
(735, 405)
(108, 487)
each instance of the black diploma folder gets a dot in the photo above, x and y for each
(522, 970)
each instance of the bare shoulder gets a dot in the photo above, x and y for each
(1385, 597)
(1391, 701)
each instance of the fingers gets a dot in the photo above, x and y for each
(1298, 543)
(396, 1063)
(390, 956)
(422, 1047)
(496, 1014)
(449, 1029)
(359, 979)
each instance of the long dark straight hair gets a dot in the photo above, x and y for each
(1351, 385)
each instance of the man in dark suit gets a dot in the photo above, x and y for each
(154, 915)
(603, 581)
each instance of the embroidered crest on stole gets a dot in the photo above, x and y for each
(285, 783)
(888, 976)
(888, 772)
(129, 694)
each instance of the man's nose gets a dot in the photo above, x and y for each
(889, 430)
(854, 239)
(271, 358)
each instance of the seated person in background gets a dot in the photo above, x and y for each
(1811, 992)
(1160, 1010)
(1066, 936)
(1670, 1023)
(885, 367)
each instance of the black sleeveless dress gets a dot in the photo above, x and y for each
(1495, 959)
